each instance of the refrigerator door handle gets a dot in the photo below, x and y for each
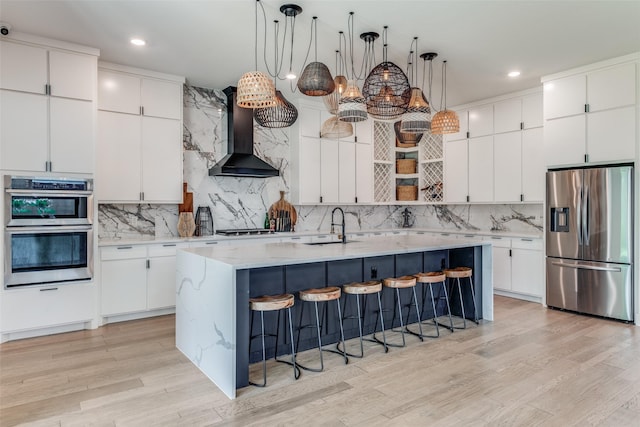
(587, 267)
(579, 217)
(585, 216)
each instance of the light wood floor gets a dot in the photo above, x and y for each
(532, 366)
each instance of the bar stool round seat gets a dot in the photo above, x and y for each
(458, 273)
(363, 289)
(273, 303)
(320, 295)
(434, 278)
(400, 282)
(397, 283)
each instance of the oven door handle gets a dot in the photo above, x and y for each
(49, 193)
(48, 229)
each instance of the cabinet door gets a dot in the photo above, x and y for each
(532, 111)
(364, 173)
(502, 267)
(533, 169)
(456, 171)
(161, 99)
(161, 282)
(463, 116)
(309, 165)
(481, 121)
(347, 172)
(124, 286)
(364, 131)
(23, 134)
(565, 97)
(118, 92)
(161, 160)
(118, 161)
(564, 141)
(481, 169)
(71, 137)
(72, 75)
(329, 171)
(309, 122)
(611, 88)
(526, 272)
(508, 166)
(507, 115)
(611, 135)
(23, 68)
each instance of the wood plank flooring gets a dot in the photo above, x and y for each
(531, 366)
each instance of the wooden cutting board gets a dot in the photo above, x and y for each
(278, 209)
(187, 200)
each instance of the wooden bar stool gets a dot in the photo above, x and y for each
(331, 293)
(272, 303)
(458, 273)
(431, 278)
(365, 289)
(398, 283)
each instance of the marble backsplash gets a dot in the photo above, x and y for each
(242, 202)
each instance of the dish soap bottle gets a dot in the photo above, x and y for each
(266, 221)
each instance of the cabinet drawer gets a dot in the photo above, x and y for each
(165, 249)
(47, 306)
(525, 243)
(123, 252)
(501, 242)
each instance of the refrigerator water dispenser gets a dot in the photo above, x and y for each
(559, 220)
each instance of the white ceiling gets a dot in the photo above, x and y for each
(211, 42)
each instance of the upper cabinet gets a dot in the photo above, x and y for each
(47, 107)
(590, 113)
(139, 136)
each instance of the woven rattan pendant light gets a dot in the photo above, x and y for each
(283, 114)
(386, 89)
(352, 107)
(417, 119)
(255, 89)
(445, 121)
(331, 101)
(316, 78)
(334, 128)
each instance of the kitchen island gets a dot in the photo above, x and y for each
(213, 287)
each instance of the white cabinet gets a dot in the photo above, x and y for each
(519, 170)
(47, 109)
(346, 172)
(48, 306)
(138, 278)
(480, 169)
(364, 173)
(330, 168)
(139, 136)
(518, 113)
(518, 267)
(456, 171)
(481, 121)
(590, 115)
(309, 170)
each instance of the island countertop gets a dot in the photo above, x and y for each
(287, 253)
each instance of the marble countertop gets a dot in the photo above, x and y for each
(267, 237)
(286, 253)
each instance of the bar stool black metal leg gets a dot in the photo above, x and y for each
(400, 312)
(359, 315)
(264, 355)
(415, 303)
(433, 305)
(344, 353)
(446, 298)
(464, 316)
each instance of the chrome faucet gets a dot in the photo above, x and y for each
(342, 236)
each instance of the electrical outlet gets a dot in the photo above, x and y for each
(374, 272)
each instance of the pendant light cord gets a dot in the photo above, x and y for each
(443, 93)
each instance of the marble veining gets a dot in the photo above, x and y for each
(243, 202)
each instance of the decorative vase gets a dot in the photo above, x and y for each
(186, 224)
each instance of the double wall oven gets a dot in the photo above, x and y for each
(48, 230)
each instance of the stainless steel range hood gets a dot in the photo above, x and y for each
(240, 160)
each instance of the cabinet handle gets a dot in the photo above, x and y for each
(467, 198)
(522, 197)
(586, 108)
(48, 289)
(211, 243)
(295, 238)
(148, 264)
(467, 135)
(521, 125)
(142, 195)
(510, 252)
(527, 240)
(355, 138)
(497, 238)
(356, 200)
(168, 245)
(141, 110)
(320, 199)
(586, 158)
(124, 247)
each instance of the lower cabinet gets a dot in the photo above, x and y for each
(518, 267)
(138, 278)
(47, 306)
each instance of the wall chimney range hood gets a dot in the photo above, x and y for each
(240, 160)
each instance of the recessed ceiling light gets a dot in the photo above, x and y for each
(138, 42)
(514, 74)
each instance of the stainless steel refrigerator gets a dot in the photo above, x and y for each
(589, 237)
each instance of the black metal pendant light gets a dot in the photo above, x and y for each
(386, 89)
(283, 114)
